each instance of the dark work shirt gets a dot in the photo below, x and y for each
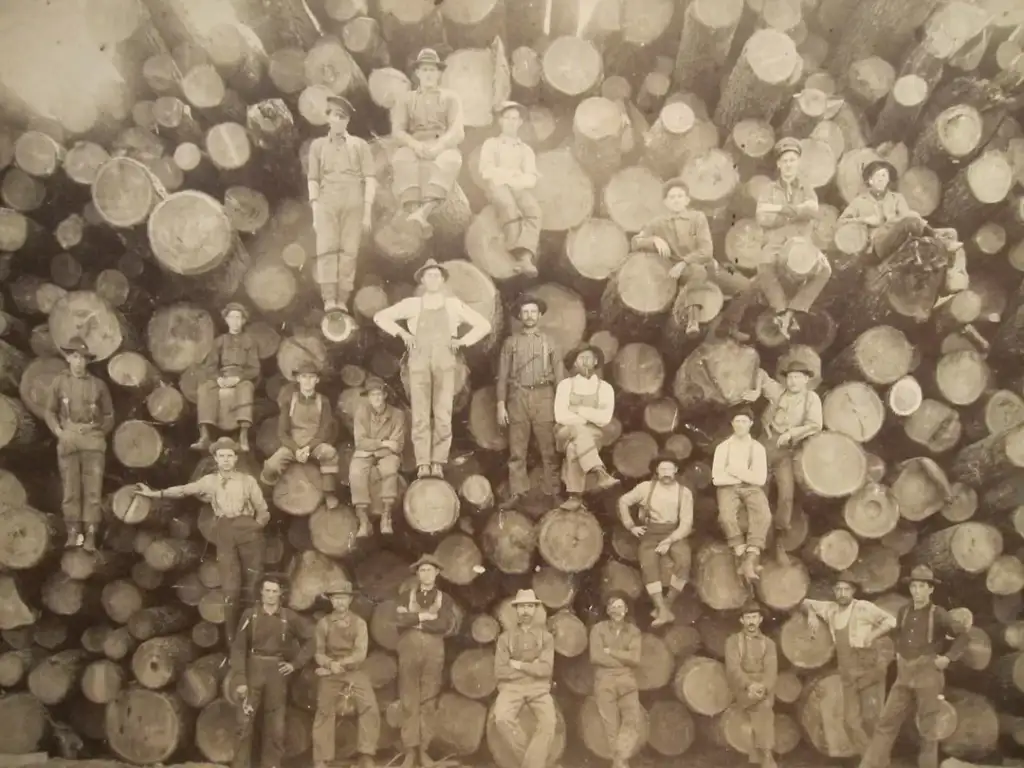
(233, 354)
(432, 602)
(528, 360)
(913, 631)
(284, 633)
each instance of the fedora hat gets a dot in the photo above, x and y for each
(847, 577)
(234, 306)
(340, 103)
(570, 359)
(339, 588)
(921, 573)
(525, 299)
(77, 345)
(430, 264)
(875, 165)
(307, 366)
(525, 597)
(428, 57)
(505, 106)
(787, 144)
(653, 466)
(426, 560)
(375, 384)
(751, 606)
(223, 444)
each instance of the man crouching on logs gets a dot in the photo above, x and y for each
(615, 647)
(752, 669)
(666, 519)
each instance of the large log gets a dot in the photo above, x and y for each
(965, 548)
(145, 726)
(990, 459)
(27, 535)
(759, 81)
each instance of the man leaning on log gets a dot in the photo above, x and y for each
(379, 438)
(752, 669)
(615, 647)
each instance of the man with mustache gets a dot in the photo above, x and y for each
(752, 669)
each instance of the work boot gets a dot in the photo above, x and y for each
(426, 761)
(437, 470)
(409, 761)
(693, 320)
(203, 443)
(74, 535)
(575, 501)
(386, 527)
(748, 566)
(362, 515)
(423, 470)
(664, 613)
(89, 544)
(243, 439)
(328, 483)
(604, 479)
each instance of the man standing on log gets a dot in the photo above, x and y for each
(523, 663)
(584, 405)
(855, 625)
(379, 437)
(921, 630)
(342, 640)
(427, 123)
(240, 515)
(229, 374)
(509, 168)
(615, 653)
(305, 429)
(272, 642)
(752, 668)
(424, 616)
(529, 369)
(431, 343)
(342, 186)
(666, 519)
(739, 472)
(80, 414)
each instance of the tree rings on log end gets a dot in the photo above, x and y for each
(831, 465)
(144, 726)
(782, 587)
(337, 326)
(633, 197)
(129, 507)
(431, 505)
(137, 444)
(124, 192)
(883, 355)
(700, 683)
(975, 546)
(717, 581)
(570, 540)
(905, 396)
(596, 249)
(855, 410)
(872, 511)
(461, 558)
(85, 314)
(564, 192)
(190, 233)
(962, 377)
(571, 66)
(333, 531)
(25, 536)
(299, 491)
(921, 488)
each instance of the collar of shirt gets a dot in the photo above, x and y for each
(311, 396)
(338, 138)
(589, 379)
(264, 611)
(879, 196)
(340, 618)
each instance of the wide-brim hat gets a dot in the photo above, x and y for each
(340, 102)
(505, 106)
(430, 264)
(796, 366)
(76, 344)
(428, 57)
(234, 306)
(525, 597)
(847, 577)
(673, 183)
(525, 299)
(751, 606)
(375, 384)
(308, 367)
(339, 588)
(223, 444)
(875, 165)
(426, 560)
(570, 359)
(787, 144)
(618, 594)
(653, 466)
(921, 573)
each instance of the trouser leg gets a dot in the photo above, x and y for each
(70, 466)
(443, 403)
(92, 463)
(519, 429)
(543, 707)
(359, 479)
(276, 465)
(728, 515)
(421, 383)
(367, 713)
(328, 693)
(275, 711)
(897, 707)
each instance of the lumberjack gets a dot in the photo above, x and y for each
(432, 341)
(342, 187)
(80, 414)
(666, 519)
(855, 626)
(752, 668)
(615, 653)
(379, 437)
(529, 369)
(271, 643)
(885, 212)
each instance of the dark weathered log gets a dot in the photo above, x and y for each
(966, 548)
(990, 459)
(54, 679)
(27, 722)
(157, 714)
(760, 80)
(638, 296)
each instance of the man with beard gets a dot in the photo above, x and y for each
(666, 519)
(615, 653)
(855, 626)
(529, 368)
(752, 669)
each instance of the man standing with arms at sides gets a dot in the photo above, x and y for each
(523, 663)
(271, 643)
(342, 186)
(921, 630)
(379, 437)
(615, 653)
(431, 342)
(855, 626)
(241, 514)
(80, 414)
(666, 519)
(342, 640)
(529, 369)
(752, 669)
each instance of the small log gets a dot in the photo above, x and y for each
(26, 536)
(934, 425)
(836, 550)
(463, 560)
(16, 664)
(869, 80)
(962, 377)
(638, 297)
(990, 459)
(53, 679)
(121, 599)
(880, 356)
(809, 107)
(148, 623)
(965, 548)
(165, 554)
(472, 673)
(901, 110)
(800, 647)
(569, 632)
(952, 137)
(431, 506)
(962, 503)
(708, 31)
(920, 488)
(333, 531)
(633, 453)
(201, 680)
(570, 540)
(102, 680)
(1005, 576)
(760, 80)
(145, 726)
(700, 683)
(14, 610)
(161, 660)
(597, 136)
(125, 191)
(22, 192)
(855, 410)
(64, 596)
(872, 512)
(571, 69)
(564, 192)
(782, 587)
(138, 444)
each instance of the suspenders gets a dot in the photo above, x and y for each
(650, 492)
(931, 621)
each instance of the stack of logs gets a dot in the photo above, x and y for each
(132, 232)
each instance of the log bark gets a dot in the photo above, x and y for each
(990, 459)
(965, 548)
(760, 80)
(638, 297)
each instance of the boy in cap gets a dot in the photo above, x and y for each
(305, 429)
(508, 167)
(229, 375)
(615, 648)
(379, 437)
(427, 123)
(855, 626)
(752, 669)
(921, 631)
(424, 616)
(666, 519)
(80, 414)
(342, 187)
(431, 338)
(523, 662)
(529, 369)
(885, 212)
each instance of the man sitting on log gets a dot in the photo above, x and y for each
(921, 631)
(271, 643)
(584, 404)
(431, 342)
(855, 625)
(427, 122)
(342, 186)
(509, 168)
(666, 519)
(739, 472)
(229, 374)
(529, 369)
(240, 515)
(885, 212)
(342, 640)
(80, 414)
(752, 668)
(424, 616)
(523, 663)
(615, 653)
(379, 438)
(305, 428)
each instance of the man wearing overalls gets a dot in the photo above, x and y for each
(752, 669)
(855, 626)
(615, 648)
(432, 341)
(921, 630)
(666, 519)
(342, 186)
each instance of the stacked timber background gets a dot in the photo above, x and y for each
(131, 215)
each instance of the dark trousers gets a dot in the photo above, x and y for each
(240, 552)
(917, 682)
(531, 410)
(780, 462)
(334, 692)
(81, 475)
(267, 688)
(519, 214)
(420, 672)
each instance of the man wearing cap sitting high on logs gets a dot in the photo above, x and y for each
(615, 648)
(752, 669)
(529, 369)
(342, 186)
(80, 414)
(229, 374)
(523, 662)
(431, 338)
(921, 631)
(305, 429)
(508, 166)
(855, 626)
(427, 122)
(379, 437)
(240, 515)
(666, 519)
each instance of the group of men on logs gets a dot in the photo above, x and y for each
(565, 411)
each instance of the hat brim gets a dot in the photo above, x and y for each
(926, 580)
(418, 274)
(875, 165)
(797, 369)
(83, 352)
(525, 602)
(439, 65)
(425, 561)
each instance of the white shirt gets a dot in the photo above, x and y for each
(747, 453)
(862, 617)
(409, 310)
(600, 416)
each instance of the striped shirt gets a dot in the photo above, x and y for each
(528, 359)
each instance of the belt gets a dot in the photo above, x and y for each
(265, 656)
(533, 386)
